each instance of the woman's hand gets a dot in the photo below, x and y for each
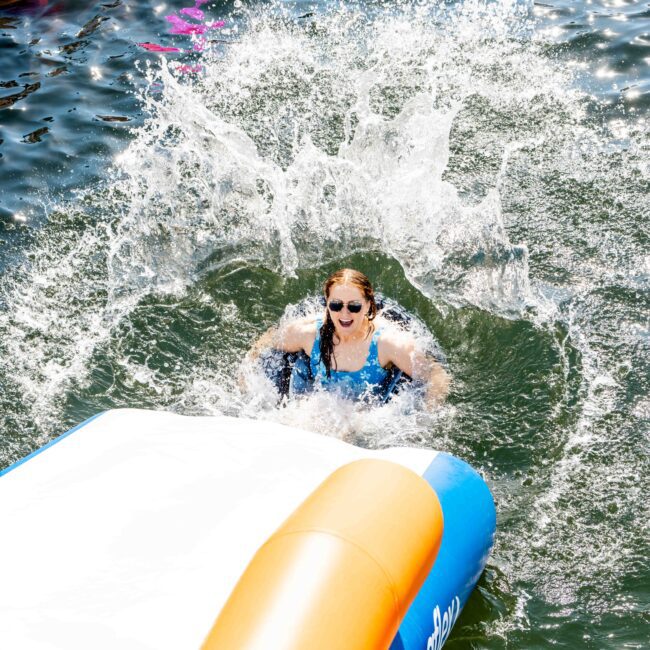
(437, 385)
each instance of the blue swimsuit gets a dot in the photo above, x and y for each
(358, 384)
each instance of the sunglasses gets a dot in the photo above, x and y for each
(354, 306)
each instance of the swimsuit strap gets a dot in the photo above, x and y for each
(373, 351)
(375, 337)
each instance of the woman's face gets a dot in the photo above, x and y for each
(345, 322)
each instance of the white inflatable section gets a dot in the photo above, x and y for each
(131, 532)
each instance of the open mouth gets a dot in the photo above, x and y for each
(345, 323)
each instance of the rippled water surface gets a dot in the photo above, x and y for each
(486, 163)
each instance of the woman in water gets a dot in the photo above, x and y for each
(352, 348)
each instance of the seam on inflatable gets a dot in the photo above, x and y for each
(323, 531)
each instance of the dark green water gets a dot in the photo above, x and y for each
(486, 164)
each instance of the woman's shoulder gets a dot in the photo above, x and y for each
(300, 333)
(303, 324)
(391, 336)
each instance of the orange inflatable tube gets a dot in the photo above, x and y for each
(342, 570)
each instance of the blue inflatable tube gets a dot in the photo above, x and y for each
(469, 526)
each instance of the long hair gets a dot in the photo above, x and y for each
(361, 282)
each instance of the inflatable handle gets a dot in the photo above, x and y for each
(342, 570)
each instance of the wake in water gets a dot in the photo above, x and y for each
(444, 149)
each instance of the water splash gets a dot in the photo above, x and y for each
(293, 147)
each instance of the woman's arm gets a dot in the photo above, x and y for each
(437, 379)
(264, 342)
(401, 350)
(292, 337)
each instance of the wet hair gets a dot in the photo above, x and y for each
(355, 279)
